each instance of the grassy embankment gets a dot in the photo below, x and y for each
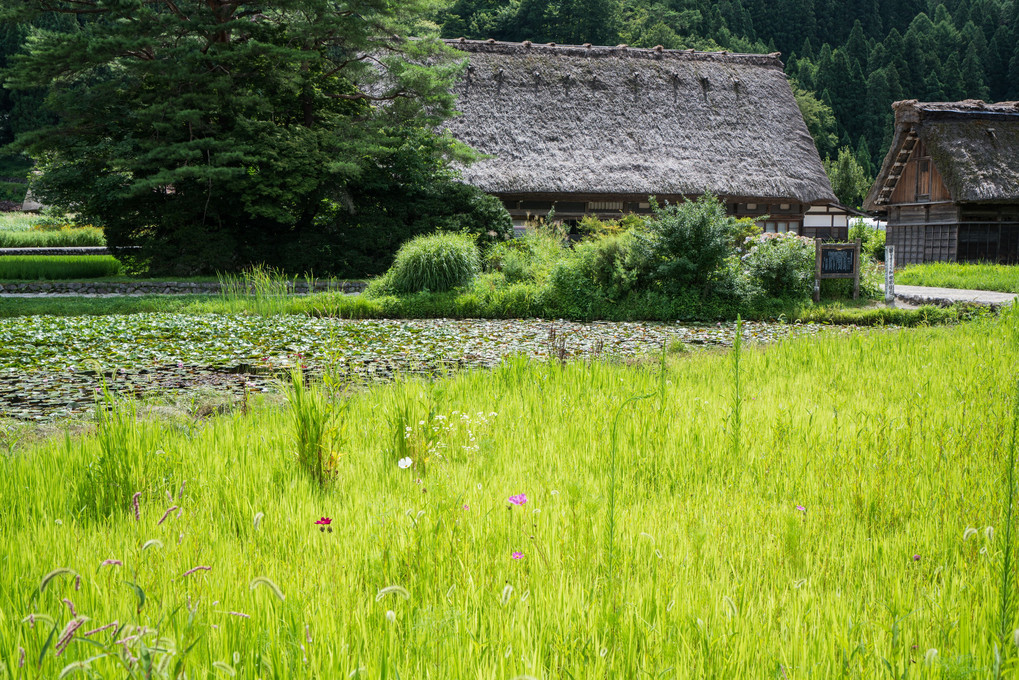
(820, 508)
(427, 307)
(998, 277)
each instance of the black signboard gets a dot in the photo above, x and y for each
(837, 261)
(841, 261)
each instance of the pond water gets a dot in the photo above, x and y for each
(54, 366)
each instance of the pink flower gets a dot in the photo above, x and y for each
(325, 521)
(916, 558)
(801, 508)
(519, 499)
(466, 507)
(518, 555)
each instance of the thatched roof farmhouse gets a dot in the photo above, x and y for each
(597, 130)
(949, 185)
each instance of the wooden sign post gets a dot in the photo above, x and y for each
(889, 273)
(837, 261)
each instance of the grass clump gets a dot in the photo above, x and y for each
(435, 262)
(997, 277)
(19, 221)
(845, 539)
(58, 267)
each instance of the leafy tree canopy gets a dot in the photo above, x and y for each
(210, 132)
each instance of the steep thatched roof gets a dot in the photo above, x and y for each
(975, 147)
(619, 120)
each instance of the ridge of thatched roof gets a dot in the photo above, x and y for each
(974, 145)
(577, 119)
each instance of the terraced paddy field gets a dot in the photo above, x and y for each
(831, 505)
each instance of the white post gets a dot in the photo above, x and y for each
(889, 273)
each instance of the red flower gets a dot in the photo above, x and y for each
(325, 521)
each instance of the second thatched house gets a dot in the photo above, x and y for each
(599, 130)
(949, 185)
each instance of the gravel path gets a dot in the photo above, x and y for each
(948, 296)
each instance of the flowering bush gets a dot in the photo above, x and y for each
(780, 265)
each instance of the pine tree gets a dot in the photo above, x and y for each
(973, 77)
(212, 133)
(864, 158)
(999, 54)
(849, 181)
(856, 46)
(953, 83)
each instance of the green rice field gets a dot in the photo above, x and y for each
(27, 230)
(827, 506)
(57, 267)
(998, 277)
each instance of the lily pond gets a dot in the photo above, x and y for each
(53, 367)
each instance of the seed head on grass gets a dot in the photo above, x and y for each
(60, 571)
(395, 590)
(970, 531)
(70, 606)
(111, 563)
(166, 514)
(100, 629)
(265, 581)
(31, 620)
(152, 543)
(137, 508)
(68, 633)
(194, 569)
(258, 518)
(225, 667)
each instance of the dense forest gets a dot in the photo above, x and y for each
(848, 60)
(857, 57)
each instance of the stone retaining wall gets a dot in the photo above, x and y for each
(154, 287)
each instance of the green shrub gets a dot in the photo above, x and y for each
(872, 241)
(436, 263)
(529, 258)
(45, 267)
(686, 245)
(13, 191)
(591, 226)
(781, 265)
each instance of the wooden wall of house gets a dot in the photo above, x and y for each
(920, 243)
(571, 207)
(954, 233)
(921, 182)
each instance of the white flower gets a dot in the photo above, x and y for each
(391, 616)
(405, 463)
